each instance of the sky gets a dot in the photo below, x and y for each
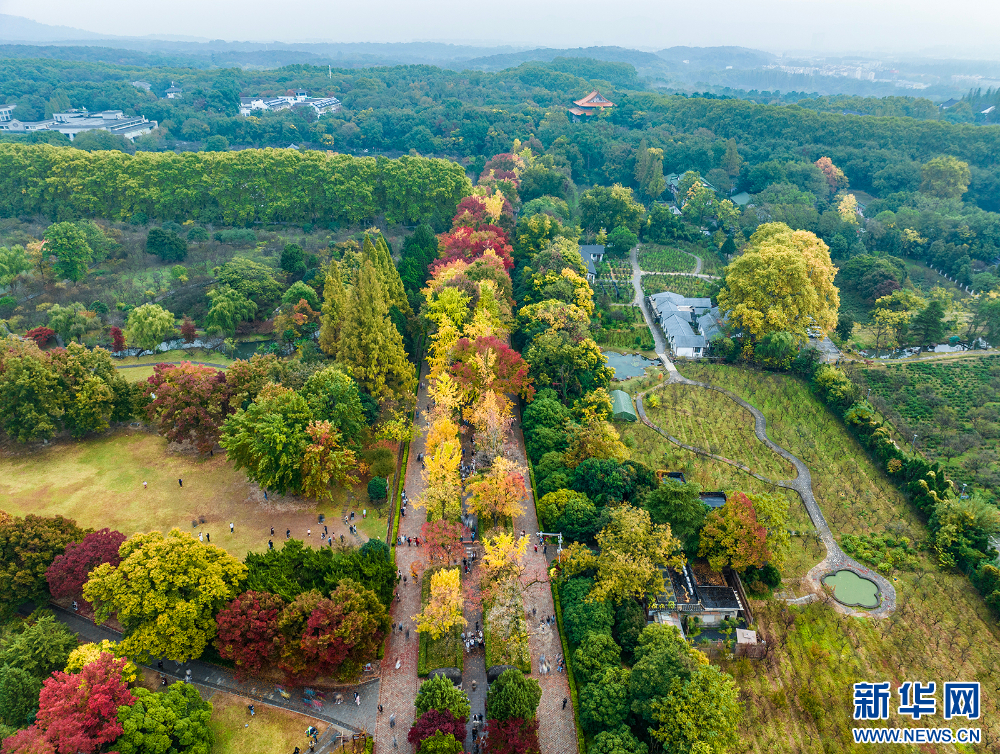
(961, 28)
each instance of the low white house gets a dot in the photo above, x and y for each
(689, 324)
(174, 92)
(74, 122)
(320, 105)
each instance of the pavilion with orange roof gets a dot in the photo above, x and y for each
(592, 104)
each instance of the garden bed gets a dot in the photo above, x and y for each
(446, 650)
(656, 258)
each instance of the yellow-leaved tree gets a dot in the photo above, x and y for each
(443, 611)
(498, 494)
(491, 419)
(442, 496)
(782, 282)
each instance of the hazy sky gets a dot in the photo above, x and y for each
(963, 27)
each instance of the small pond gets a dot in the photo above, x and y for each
(628, 364)
(246, 349)
(853, 590)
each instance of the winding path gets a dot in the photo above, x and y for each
(802, 484)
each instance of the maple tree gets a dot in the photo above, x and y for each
(188, 402)
(326, 461)
(246, 630)
(79, 712)
(41, 334)
(498, 494)
(27, 548)
(68, 572)
(188, 331)
(117, 339)
(433, 721)
(488, 363)
(29, 740)
(468, 244)
(834, 176)
(512, 736)
(732, 536)
(442, 539)
(443, 610)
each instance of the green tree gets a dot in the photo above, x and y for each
(298, 291)
(441, 694)
(72, 252)
(334, 306)
(269, 438)
(18, 696)
(649, 171)
(166, 244)
(512, 695)
(700, 716)
(630, 619)
(27, 547)
(252, 279)
(945, 177)
(620, 740)
(604, 703)
(229, 308)
(574, 368)
(68, 320)
(441, 743)
(602, 207)
(680, 506)
(596, 653)
(31, 398)
(370, 345)
(620, 242)
(334, 397)
(985, 320)
(927, 327)
(293, 259)
(176, 720)
(13, 262)
(165, 593)
(148, 325)
(845, 326)
(661, 656)
(392, 284)
(38, 646)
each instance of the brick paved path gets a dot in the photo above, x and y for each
(399, 686)
(556, 729)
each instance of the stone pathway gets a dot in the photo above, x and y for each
(802, 483)
(557, 729)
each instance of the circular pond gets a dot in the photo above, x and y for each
(852, 590)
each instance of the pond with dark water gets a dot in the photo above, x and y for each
(628, 365)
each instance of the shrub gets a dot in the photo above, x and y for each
(237, 237)
(7, 305)
(41, 335)
(378, 489)
(166, 244)
(198, 233)
(512, 695)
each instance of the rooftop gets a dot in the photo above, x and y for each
(594, 99)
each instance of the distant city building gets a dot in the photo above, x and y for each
(174, 92)
(300, 98)
(74, 122)
(590, 105)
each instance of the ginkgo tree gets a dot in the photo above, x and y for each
(497, 495)
(443, 611)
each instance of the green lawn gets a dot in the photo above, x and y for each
(98, 482)
(189, 354)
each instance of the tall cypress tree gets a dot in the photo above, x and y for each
(334, 302)
(394, 293)
(370, 345)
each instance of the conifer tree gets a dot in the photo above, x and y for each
(334, 302)
(393, 283)
(370, 345)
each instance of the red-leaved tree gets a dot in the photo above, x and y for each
(733, 537)
(246, 630)
(117, 340)
(191, 403)
(188, 331)
(346, 628)
(79, 711)
(513, 736)
(41, 335)
(468, 244)
(68, 572)
(433, 721)
(31, 740)
(508, 373)
(441, 537)
(472, 213)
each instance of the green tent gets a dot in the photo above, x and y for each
(622, 409)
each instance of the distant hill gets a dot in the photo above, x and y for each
(716, 57)
(18, 29)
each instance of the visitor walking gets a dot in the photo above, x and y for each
(144, 485)
(272, 531)
(231, 527)
(270, 544)
(288, 533)
(565, 700)
(180, 482)
(201, 536)
(208, 537)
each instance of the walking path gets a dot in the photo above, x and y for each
(639, 300)
(835, 557)
(346, 718)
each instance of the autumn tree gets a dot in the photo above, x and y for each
(188, 331)
(443, 612)
(502, 559)
(489, 364)
(497, 494)
(442, 539)
(188, 402)
(733, 537)
(491, 419)
(834, 176)
(30, 740)
(783, 281)
(442, 494)
(511, 736)
(247, 630)
(632, 552)
(333, 311)
(326, 461)
(85, 654)
(433, 721)
(700, 715)
(165, 593)
(27, 548)
(68, 572)
(79, 712)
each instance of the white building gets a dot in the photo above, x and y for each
(592, 255)
(320, 105)
(74, 122)
(174, 92)
(678, 317)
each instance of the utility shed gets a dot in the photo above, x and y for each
(622, 409)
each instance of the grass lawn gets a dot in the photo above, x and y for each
(187, 354)
(99, 483)
(269, 730)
